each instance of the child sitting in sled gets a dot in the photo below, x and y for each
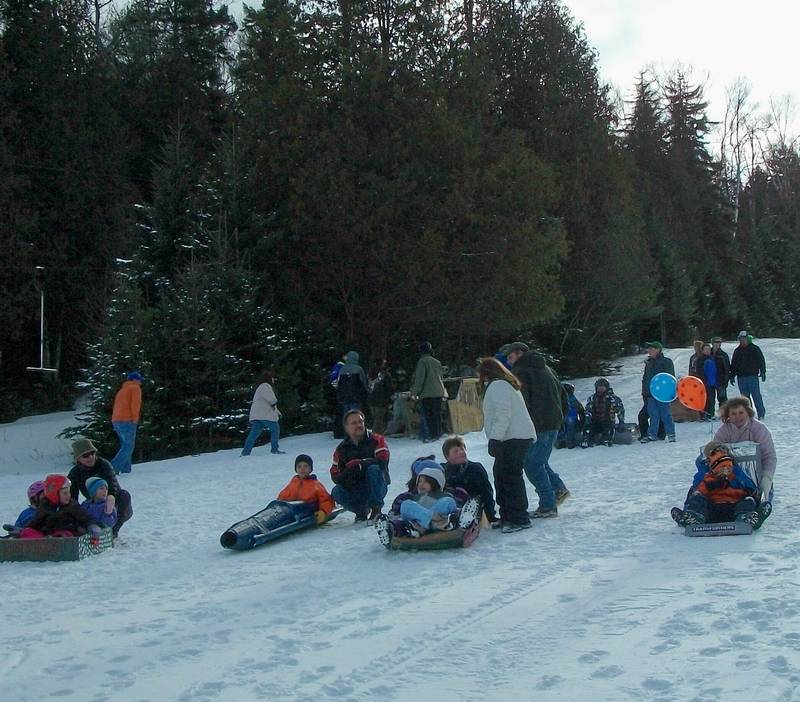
(427, 507)
(57, 514)
(305, 487)
(721, 491)
(35, 491)
(460, 472)
(101, 508)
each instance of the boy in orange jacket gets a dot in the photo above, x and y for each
(305, 487)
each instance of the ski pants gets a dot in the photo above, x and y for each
(713, 513)
(544, 479)
(603, 428)
(415, 512)
(509, 485)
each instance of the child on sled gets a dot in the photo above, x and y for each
(721, 491)
(426, 507)
(101, 508)
(57, 514)
(305, 487)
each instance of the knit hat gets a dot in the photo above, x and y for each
(135, 375)
(35, 488)
(569, 387)
(714, 447)
(421, 464)
(520, 346)
(654, 345)
(304, 458)
(425, 347)
(742, 334)
(93, 484)
(81, 446)
(602, 381)
(54, 483)
(436, 474)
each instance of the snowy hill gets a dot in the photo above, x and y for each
(608, 602)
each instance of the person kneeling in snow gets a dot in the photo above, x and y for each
(101, 507)
(721, 491)
(305, 487)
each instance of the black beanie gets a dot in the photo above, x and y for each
(425, 347)
(303, 458)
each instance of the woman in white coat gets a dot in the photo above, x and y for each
(264, 414)
(510, 431)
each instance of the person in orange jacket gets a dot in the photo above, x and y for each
(125, 420)
(304, 486)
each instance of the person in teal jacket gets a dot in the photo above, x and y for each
(429, 387)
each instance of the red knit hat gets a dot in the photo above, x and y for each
(52, 485)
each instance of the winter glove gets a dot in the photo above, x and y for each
(763, 377)
(494, 447)
(320, 516)
(110, 502)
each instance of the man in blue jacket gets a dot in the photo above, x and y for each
(657, 411)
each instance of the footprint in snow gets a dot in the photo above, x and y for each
(778, 665)
(608, 671)
(657, 684)
(548, 681)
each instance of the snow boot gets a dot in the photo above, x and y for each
(469, 513)
(511, 527)
(540, 513)
(385, 530)
(751, 518)
(764, 510)
(584, 444)
(686, 517)
(671, 438)
(561, 496)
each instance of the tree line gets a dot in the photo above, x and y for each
(206, 200)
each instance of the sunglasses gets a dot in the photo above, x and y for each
(88, 454)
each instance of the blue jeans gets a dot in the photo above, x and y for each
(256, 427)
(126, 431)
(658, 412)
(369, 493)
(414, 512)
(538, 470)
(750, 387)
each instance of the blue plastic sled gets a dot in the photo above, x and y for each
(277, 519)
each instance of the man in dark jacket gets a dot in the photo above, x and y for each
(352, 385)
(723, 362)
(748, 364)
(360, 469)
(88, 464)
(657, 412)
(547, 404)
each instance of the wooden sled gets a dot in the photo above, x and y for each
(437, 540)
(74, 548)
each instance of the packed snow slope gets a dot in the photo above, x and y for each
(608, 602)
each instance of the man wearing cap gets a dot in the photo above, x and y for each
(125, 420)
(547, 404)
(88, 465)
(360, 469)
(657, 412)
(723, 362)
(748, 365)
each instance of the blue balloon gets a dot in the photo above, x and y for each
(664, 387)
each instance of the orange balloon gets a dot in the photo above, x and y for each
(692, 393)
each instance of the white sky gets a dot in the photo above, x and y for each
(719, 39)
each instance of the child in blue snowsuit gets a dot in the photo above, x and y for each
(572, 427)
(100, 507)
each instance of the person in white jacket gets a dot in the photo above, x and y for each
(510, 432)
(264, 414)
(739, 424)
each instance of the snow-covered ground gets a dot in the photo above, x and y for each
(608, 602)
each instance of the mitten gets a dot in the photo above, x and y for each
(494, 447)
(354, 466)
(763, 377)
(320, 516)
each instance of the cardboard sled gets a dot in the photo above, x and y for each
(55, 548)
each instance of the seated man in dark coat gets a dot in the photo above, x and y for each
(360, 469)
